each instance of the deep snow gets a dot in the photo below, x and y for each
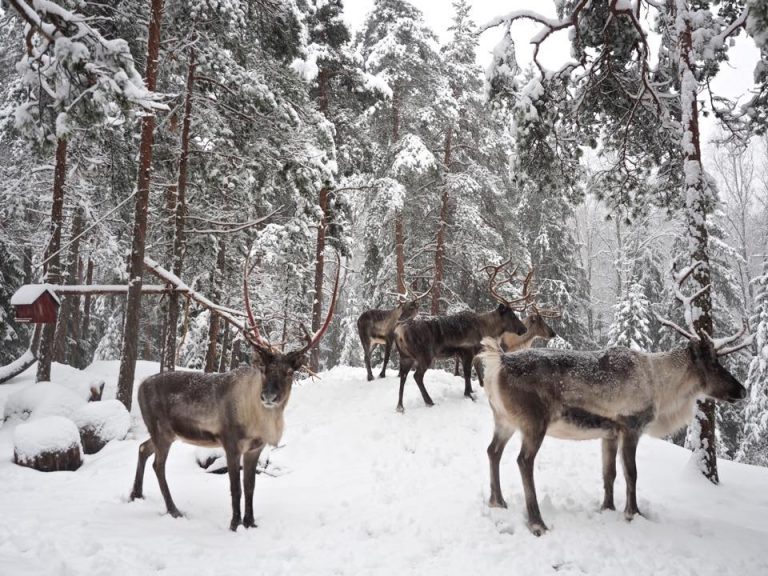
(364, 490)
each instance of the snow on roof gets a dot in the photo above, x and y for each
(28, 293)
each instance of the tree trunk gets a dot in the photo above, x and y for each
(53, 275)
(399, 233)
(180, 198)
(87, 301)
(224, 348)
(133, 305)
(69, 303)
(75, 346)
(215, 323)
(317, 303)
(234, 360)
(442, 226)
(698, 202)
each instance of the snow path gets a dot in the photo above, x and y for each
(368, 491)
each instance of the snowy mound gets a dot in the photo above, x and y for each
(50, 443)
(88, 389)
(42, 399)
(100, 422)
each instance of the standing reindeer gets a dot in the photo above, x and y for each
(535, 327)
(615, 394)
(241, 411)
(378, 327)
(422, 340)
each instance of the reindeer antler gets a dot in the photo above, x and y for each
(546, 312)
(493, 286)
(331, 309)
(251, 331)
(720, 345)
(418, 297)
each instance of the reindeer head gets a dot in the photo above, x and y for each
(279, 367)
(704, 353)
(537, 326)
(409, 306)
(507, 308)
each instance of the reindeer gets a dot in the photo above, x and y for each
(422, 340)
(614, 394)
(241, 411)
(535, 327)
(378, 327)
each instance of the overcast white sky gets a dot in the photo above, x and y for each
(734, 80)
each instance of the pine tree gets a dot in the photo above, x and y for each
(631, 323)
(753, 448)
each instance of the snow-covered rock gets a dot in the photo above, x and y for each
(42, 399)
(47, 444)
(100, 422)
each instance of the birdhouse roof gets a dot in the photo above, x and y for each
(29, 293)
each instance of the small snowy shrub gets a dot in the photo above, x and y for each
(47, 444)
(100, 422)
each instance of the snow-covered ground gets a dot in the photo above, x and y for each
(364, 490)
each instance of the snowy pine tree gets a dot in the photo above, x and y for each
(631, 323)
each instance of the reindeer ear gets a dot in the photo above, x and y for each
(503, 309)
(297, 360)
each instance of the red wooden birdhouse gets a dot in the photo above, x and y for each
(36, 304)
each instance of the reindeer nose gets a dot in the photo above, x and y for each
(268, 397)
(742, 393)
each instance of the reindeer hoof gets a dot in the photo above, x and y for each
(629, 515)
(400, 409)
(234, 524)
(382, 375)
(497, 502)
(136, 496)
(174, 512)
(537, 528)
(370, 377)
(249, 523)
(607, 506)
(471, 396)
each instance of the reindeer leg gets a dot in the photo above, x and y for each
(478, 370)
(146, 449)
(405, 367)
(532, 440)
(495, 450)
(233, 468)
(610, 447)
(455, 365)
(250, 460)
(162, 446)
(387, 350)
(466, 361)
(419, 377)
(367, 355)
(629, 440)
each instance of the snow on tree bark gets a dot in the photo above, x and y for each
(698, 202)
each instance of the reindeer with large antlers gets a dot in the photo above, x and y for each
(422, 340)
(378, 327)
(615, 394)
(241, 410)
(536, 328)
